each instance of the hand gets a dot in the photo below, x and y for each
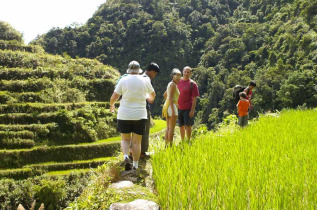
(150, 101)
(191, 113)
(112, 108)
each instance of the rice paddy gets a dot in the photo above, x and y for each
(271, 164)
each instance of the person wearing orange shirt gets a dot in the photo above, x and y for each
(243, 107)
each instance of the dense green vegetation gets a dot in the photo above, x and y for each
(53, 113)
(63, 178)
(271, 164)
(228, 42)
(49, 99)
(54, 191)
(7, 32)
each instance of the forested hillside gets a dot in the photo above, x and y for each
(228, 42)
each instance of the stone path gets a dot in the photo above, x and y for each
(138, 184)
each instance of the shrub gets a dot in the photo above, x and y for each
(14, 59)
(15, 192)
(50, 192)
(17, 46)
(16, 143)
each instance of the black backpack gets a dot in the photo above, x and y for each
(236, 90)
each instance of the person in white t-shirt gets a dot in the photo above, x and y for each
(132, 115)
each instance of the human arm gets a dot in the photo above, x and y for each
(192, 110)
(172, 90)
(115, 96)
(165, 94)
(248, 92)
(194, 95)
(151, 97)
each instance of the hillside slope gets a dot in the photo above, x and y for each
(228, 42)
(50, 99)
(50, 103)
(53, 111)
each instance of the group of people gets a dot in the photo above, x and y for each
(181, 96)
(244, 104)
(136, 92)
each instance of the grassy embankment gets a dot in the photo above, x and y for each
(99, 196)
(271, 164)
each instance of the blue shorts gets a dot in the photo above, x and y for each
(132, 126)
(184, 119)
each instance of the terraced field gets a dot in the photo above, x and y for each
(55, 125)
(53, 110)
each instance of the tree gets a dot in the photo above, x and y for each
(7, 32)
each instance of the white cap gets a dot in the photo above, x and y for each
(134, 67)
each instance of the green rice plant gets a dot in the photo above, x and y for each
(59, 166)
(159, 125)
(16, 143)
(5, 97)
(17, 134)
(67, 172)
(29, 85)
(19, 158)
(67, 71)
(21, 173)
(271, 164)
(98, 194)
(49, 107)
(38, 128)
(30, 97)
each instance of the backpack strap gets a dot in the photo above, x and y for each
(191, 85)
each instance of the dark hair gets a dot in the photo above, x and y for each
(243, 95)
(153, 67)
(252, 83)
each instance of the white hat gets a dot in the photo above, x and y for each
(176, 71)
(134, 67)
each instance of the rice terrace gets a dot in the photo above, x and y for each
(63, 143)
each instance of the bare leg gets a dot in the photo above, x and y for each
(136, 146)
(188, 132)
(172, 123)
(182, 132)
(125, 143)
(166, 132)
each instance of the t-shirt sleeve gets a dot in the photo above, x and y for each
(118, 88)
(195, 91)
